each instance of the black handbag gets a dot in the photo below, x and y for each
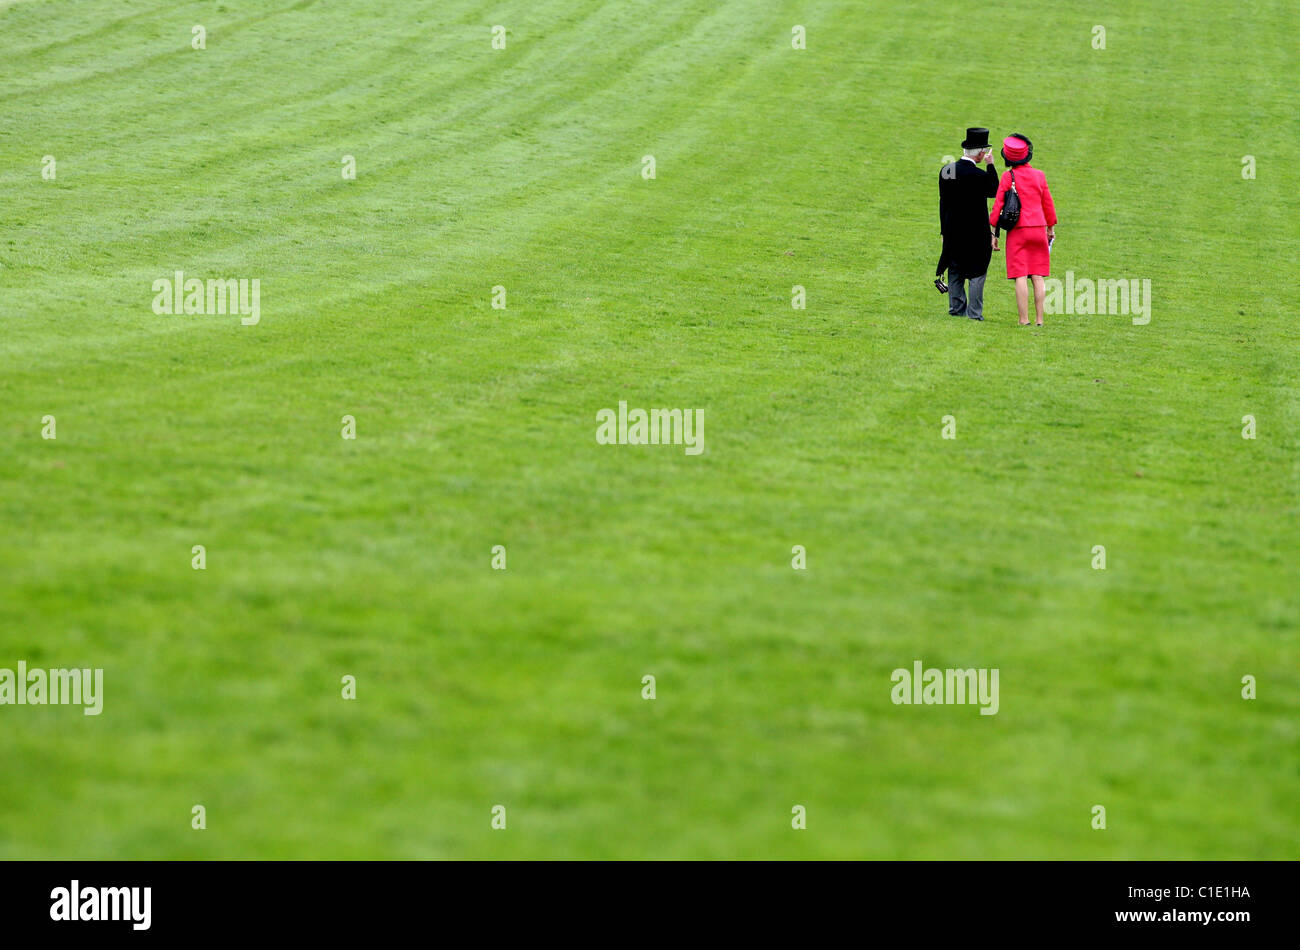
(1010, 215)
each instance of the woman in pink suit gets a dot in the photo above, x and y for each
(1027, 242)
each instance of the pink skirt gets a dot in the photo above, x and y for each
(1027, 252)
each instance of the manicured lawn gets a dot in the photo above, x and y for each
(522, 168)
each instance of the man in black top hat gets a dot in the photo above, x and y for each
(964, 191)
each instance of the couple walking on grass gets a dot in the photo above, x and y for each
(1022, 207)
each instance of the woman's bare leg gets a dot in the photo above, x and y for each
(1040, 294)
(1022, 299)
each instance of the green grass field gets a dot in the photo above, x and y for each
(475, 426)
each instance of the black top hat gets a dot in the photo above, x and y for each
(976, 138)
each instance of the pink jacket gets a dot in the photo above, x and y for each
(1036, 208)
